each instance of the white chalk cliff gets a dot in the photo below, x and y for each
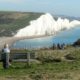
(46, 25)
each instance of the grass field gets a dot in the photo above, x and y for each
(53, 65)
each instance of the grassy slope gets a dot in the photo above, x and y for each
(10, 22)
(46, 70)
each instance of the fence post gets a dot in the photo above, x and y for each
(28, 58)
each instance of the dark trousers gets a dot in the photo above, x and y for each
(5, 60)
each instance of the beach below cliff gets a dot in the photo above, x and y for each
(4, 40)
(11, 40)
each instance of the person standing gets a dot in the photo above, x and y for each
(5, 56)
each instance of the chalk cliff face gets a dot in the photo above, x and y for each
(46, 25)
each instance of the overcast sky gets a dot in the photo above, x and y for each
(62, 7)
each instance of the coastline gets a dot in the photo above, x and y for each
(4, 40)
(11, 40)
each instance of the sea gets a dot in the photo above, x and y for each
(66, 36)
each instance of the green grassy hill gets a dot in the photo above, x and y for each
(10, 22)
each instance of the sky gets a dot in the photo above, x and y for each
(58, 7)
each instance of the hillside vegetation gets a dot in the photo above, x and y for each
(10, 22)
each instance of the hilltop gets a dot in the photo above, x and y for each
(10, 22)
